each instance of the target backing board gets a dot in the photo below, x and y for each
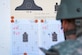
(34, 9)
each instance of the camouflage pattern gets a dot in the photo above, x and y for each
(69, 47)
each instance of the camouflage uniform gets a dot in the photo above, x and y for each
(68, 47)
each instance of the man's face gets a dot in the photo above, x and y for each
(68, 25)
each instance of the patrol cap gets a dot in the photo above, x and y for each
(69, 9)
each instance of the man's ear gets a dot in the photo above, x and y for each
(65, 25)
